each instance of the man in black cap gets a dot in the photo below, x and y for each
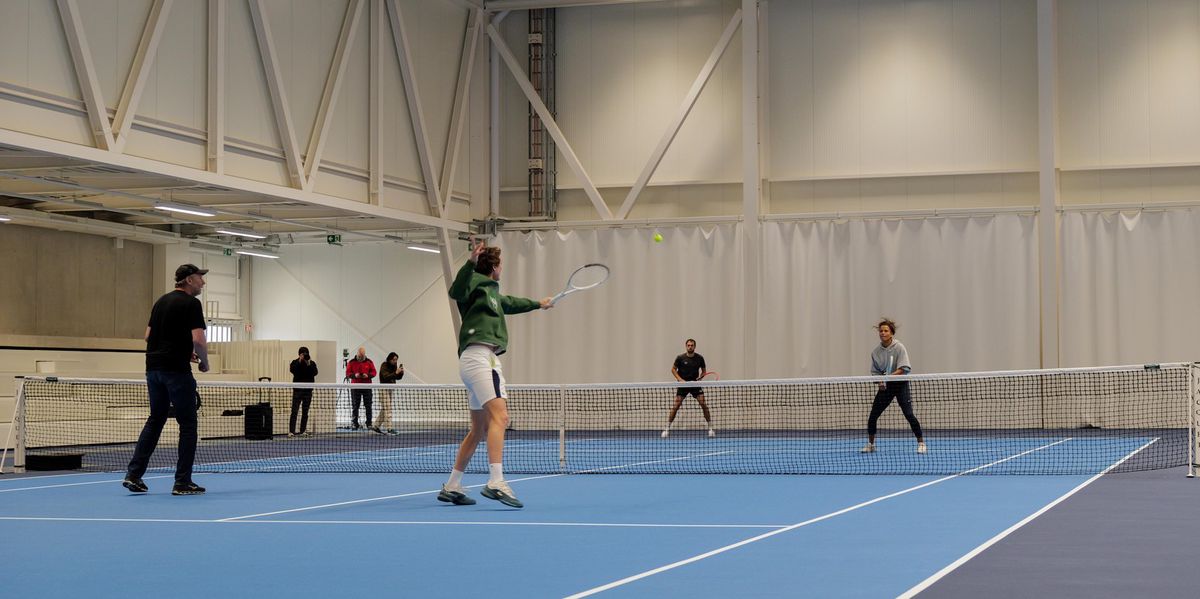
(304, 370)
(174, 338)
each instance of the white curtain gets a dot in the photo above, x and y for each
(1131, 285)
(963, 291)
(631, 328)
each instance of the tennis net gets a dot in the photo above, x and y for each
(1064, 421)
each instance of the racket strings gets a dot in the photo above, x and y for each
(588, 276)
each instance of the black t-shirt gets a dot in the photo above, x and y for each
(172, 320)
(689, 368)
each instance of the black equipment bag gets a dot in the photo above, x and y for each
(260, 418)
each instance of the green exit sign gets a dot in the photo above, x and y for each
(227, 252)
(333, 239)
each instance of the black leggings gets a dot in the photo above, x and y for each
(899, 391)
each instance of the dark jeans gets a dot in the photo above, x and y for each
(360, 396)
(167, 389)
(898, 391)
(300, 397)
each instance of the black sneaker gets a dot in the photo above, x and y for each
(135, 485)
(187, 489)
(454, 495)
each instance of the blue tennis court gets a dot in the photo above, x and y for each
(580, 534)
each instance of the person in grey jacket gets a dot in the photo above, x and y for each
(891, 358)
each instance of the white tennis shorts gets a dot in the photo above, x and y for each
(481, 372)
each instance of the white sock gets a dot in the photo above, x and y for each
(455, 478)
(497, 473)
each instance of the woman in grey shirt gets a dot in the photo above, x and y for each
(890, 357)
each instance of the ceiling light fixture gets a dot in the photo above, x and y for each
(422, 247)
(256, 253)
(247, 233)
(184, 209)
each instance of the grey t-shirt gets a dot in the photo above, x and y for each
(885, 360)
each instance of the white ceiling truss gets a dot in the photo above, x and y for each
(105, 184)
(119, 191)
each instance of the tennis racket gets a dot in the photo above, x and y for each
(710, 376)
(587, 276)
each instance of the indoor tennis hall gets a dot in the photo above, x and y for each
(629, 298)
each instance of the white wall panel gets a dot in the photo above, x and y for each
(436, 29)
(1019, 89)
(399, 148)
(976, 71)
(886, 86)
(1079, 83)
(1124, 56)
(15, 34)
(1174, 85)
(623, 72)
(791, 45)
(175, 89)
(708, 144)
(572, 86)
(305, 34)
(837, 128)
(166, 149)
(248, 112)
(381, 296)
(112, 28)
(888, 71)
(49, 64)
(346, 141)
(613, 136)
(1130, 75)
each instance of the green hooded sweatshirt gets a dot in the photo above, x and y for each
(483, 307)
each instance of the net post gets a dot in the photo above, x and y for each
(1193, 419)
(17, 426)
(562, 427)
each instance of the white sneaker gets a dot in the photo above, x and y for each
(500, 491)
(921, 447)
(666, 433)
(868, 448)
(712, 433)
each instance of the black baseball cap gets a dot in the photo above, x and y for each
(188, 270)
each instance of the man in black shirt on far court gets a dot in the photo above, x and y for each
(689, 366)
(174, 337)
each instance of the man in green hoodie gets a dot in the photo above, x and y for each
(481, 340)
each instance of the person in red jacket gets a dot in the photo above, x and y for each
(360, 370)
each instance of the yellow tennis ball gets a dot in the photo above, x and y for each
(658, 238)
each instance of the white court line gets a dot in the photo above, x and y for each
(696, 558)
(392, 453)
(40, 476)
(390, 522)
(94, 482)
(924, 584)
(414, 493)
